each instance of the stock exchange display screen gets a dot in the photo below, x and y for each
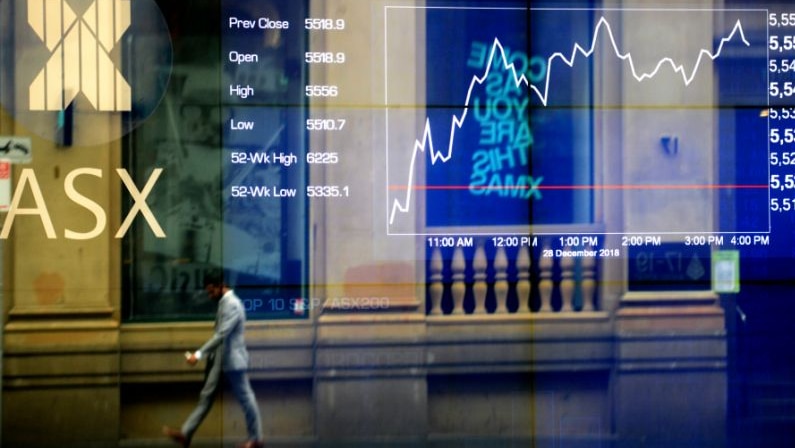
(295, 142)
(380, 133)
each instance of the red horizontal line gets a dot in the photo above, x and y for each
(584, 187)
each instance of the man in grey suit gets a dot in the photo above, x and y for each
(225, 352)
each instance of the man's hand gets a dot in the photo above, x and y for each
(191, 358)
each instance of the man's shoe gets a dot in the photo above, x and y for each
(253, 444)
(177, 436)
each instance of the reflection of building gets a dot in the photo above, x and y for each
(396, 339)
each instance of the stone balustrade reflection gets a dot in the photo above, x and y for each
(484, 279)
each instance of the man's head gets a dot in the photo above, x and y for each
(214, 283)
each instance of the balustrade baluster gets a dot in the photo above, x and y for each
(567, 282)
(523, 279)
(501, 280)
(577, 278)
(480, 288)
(458, 288)
(588, 284)
(545, 281)
(437, 286)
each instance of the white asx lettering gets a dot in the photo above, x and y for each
(28, 181)
(93, 207)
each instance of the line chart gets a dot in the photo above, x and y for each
(603, 39)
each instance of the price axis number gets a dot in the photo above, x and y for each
(778, 43)
(782, 158)
(782, 182)
(781, 62)
(782, 168)
(781, 19)
(782, 205)
(781, 113)
(781, 65)
(780, 136)
(781, 91)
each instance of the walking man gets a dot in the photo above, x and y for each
(226, 356)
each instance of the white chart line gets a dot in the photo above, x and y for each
(426, 142)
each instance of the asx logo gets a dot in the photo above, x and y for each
(80, 54)
(29, 182)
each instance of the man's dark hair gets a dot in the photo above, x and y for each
(214, 277)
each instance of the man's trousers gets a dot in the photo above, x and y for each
(241, 387)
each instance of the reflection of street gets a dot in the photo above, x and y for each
(203, 229)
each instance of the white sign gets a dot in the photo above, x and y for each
(16, 149)
(5, 185)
